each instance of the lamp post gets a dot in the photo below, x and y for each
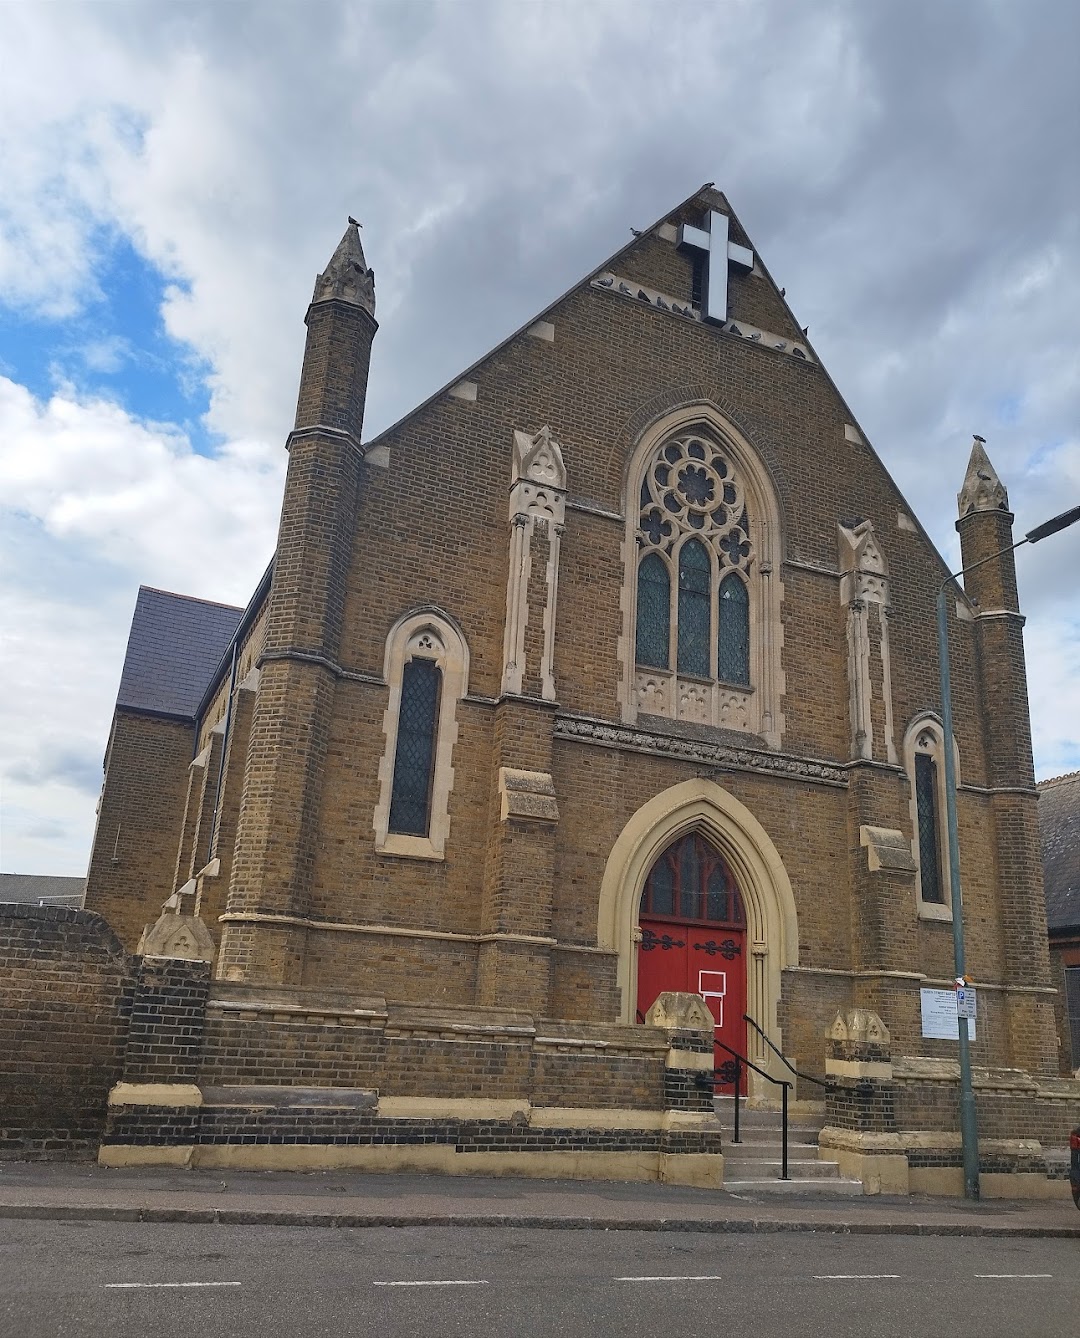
(968, 1129)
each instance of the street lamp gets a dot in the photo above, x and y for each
(968, 1131)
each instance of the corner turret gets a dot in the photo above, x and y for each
(982, 490)
(274, 857)
(347, 277)
(341, 326)
(985, 527)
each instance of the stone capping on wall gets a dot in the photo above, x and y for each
(631, 290)
(332, 1008)
(925, 1069)
(579, 728)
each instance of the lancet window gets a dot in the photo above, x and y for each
(414, 761)
(925, 763)
(426, 670)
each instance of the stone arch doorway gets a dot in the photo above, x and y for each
(771, 932)
(692, 939)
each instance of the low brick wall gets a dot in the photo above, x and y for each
(66, 989)
(247, 1117)
(195, 1064)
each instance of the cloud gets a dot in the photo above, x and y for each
(898, 167)
(80, 769)
(95, 503)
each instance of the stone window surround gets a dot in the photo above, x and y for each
(922, 727)
(451, 652)
(758, 707)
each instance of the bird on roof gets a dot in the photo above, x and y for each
(354, 223)
(637, 232)
(783, 292)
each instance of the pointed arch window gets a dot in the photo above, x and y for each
(734, 631)
(696, 567)
(693, 607)
(925, 765)
(691, 881)
(426, 668)
(653, 612)
(414, 759)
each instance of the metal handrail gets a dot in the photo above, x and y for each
(784, 1086)
(807, 1077)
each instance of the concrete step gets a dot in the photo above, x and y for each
(808, 1168)
(760, 1149)
(765, 1133)
(767, 1118)
(820, 1188)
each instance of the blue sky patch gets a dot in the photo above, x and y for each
(116, 347)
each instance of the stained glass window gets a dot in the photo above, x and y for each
(662, 888)
(653, 613)
(690, 881)
(929, 836)
(414, 759)
(693, 529)
(695, 582)
(734, 630)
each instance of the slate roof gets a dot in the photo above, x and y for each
(1059, 825)
(31, 888)
(175, 645)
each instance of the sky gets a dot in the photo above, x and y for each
(174, 175)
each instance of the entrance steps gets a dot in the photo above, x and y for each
(753, 1166)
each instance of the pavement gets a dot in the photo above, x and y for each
(71, 1191)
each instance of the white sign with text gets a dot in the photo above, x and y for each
(939, 1019)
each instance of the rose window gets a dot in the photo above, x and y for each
(690, 486)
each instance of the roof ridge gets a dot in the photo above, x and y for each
(1056, 780)
(192, 599)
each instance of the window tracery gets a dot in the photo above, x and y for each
(696, 488)
(694, 536)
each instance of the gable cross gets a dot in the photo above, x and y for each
(719, 254)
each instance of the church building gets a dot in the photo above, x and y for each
(608, 673)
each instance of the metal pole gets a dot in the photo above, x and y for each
(738, 1083)
(783, 1155)
(969, 1133)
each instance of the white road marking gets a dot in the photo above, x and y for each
(691, 1277)
(852, 1277)
(1014, 1275)
(437, 1282)
(129, 1285)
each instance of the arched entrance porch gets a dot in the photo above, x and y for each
(772, 938)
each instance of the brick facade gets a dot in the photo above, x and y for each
(510, 915)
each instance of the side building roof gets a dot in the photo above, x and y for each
(45, 889)
(175, 645)
(1059, 825)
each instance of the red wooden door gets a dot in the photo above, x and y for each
(693, 935)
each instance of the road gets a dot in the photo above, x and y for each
(85, 1279)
